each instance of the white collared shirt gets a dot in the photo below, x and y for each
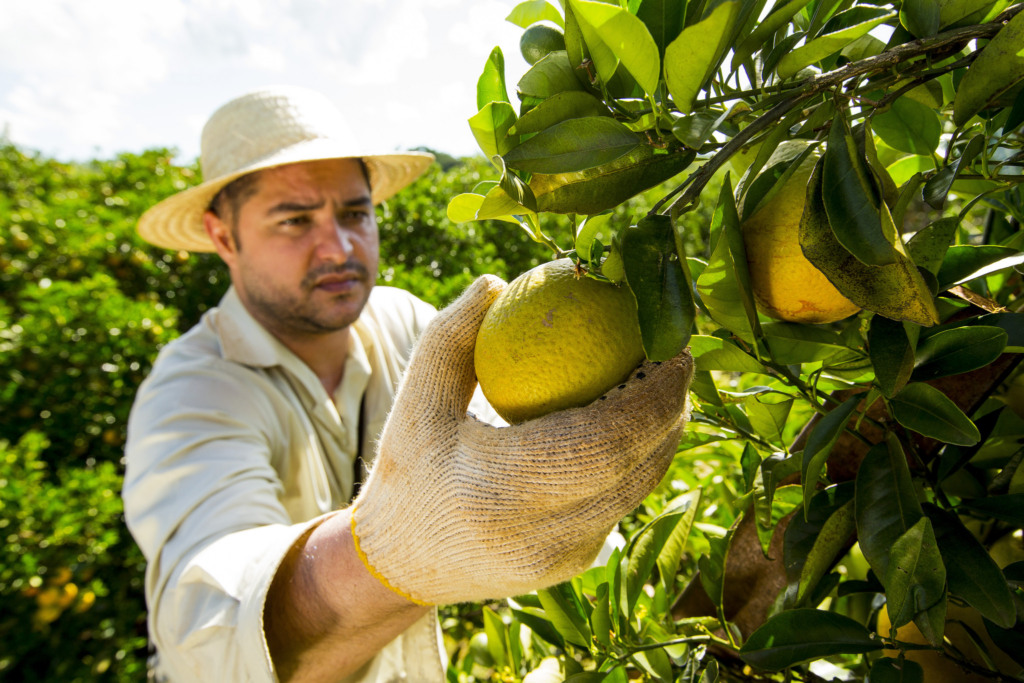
(234, 451)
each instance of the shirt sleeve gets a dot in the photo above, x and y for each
(202, 501)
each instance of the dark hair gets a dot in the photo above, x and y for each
(227, 203)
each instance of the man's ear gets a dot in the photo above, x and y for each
(221, 236)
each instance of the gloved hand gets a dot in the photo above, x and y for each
(455, 510)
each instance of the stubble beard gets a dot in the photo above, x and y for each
(299, 314)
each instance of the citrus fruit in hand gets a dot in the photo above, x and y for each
(555, 340)
(786, 286)
(539, 40)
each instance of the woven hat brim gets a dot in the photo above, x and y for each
(177, 221)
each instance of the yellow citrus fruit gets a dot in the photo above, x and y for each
(555, 340)
(786, 286)
(937, 667)
(539, 40)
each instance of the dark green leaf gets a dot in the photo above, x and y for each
(972, 574)
(998, 66)
(560, 607)
(965, 262)
(889, 670)
(600, 618)
(800, 635)
(938, 187)
(1008, 508)
(892, 354)
(659, 543)
(819, 445)
(840, 31)
(1011, 323)
(886, 504)
(724, 286)
(664, 20)
(573, 145)
(598, 189)
(852, 199)
(916, 577)
(768, 414)
(957, 350)
(815, 541)
(662, 290)
(712, 570)
(926, 410)
(920, 17)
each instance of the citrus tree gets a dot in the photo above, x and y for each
(850, 482)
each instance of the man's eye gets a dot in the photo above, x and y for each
(295, 221)
(353, 215)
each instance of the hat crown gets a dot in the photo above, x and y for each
(260, 124)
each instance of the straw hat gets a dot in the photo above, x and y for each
(263, 129)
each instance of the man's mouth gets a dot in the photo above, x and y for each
(337, 280)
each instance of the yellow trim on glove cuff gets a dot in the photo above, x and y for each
(373, 572)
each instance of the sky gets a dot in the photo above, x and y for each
(90, 79)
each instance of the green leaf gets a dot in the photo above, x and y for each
(916, 577)
(655, 275)
(853, 201)
(600, 618)
(664, 20)
(889, 670)
(490, 128)
(886, 504)
(928, 246)
(551, 75)
(724, 285)
(966, 262)
(490, 87)
(715, 353)
(694, 55)
(779, 17)
(561, 609)
(593, 229)
(801, 635)
(573, 145)
(920, 17)
(497, 637)
(712, 570)
(892, 354)
(957, 350)
(820, 441)
(841, 30)
(768, 414)
(659, 543)
(938, 187)
(570, 104)
(998, 66)
(794, 343)
(615, 36)
(529, 12)
(815, 541)
(896, 291)
(909, 126)
(604, 187)
(924, 409)
(972, 574)
(1008, 507)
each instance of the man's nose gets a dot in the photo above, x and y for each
(334, 242)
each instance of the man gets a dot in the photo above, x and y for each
(244, 442)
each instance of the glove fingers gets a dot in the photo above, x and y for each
(440, 379)
(590, 450)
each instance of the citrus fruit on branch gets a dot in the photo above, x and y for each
(538, 41)
(786, 286)
(555, 339)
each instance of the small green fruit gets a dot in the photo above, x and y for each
(538, 41)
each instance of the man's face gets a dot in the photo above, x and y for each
(307, 247)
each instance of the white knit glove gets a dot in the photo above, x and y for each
(455, 510)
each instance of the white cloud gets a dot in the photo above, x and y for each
(85, 78)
